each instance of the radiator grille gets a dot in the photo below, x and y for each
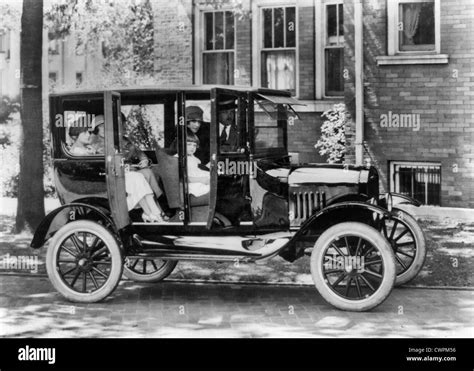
(305, 204)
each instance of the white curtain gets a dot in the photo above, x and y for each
(411, 18)
(280, 70)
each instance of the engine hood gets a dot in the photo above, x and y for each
(328, 174)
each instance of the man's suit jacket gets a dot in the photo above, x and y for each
(233, 140)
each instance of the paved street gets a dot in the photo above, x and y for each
(29, 306)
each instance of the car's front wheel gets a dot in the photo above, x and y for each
(84, 261)
(353, 266)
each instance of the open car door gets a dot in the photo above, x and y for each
(114, 160)
(229, 189)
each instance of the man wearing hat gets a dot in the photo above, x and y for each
(228, 132)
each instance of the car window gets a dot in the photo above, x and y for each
(270, 125)
(230, 125)
(145, 125)
(83, 131)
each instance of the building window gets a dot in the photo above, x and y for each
(53, 76)
(334, 51)
(278, 48)
(53, 46)
(219, 47)
(414, 26)
(78, 78)
(3, 42)
(419, 180)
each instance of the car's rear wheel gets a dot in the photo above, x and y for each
(353, 266)
(148, 269)
(84, 261)
(408, 243)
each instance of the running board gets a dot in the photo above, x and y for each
(183, 256)
(187, 249)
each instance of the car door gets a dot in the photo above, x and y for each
(114, 160)
(230, 165)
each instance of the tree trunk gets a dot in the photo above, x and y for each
(30, 209)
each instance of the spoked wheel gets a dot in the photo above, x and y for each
(148, 269)
(353, 266)
(84, 261)
(408, 243)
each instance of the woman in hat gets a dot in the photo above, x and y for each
(82, 141)
(195, 125)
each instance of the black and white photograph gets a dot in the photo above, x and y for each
(237, 169)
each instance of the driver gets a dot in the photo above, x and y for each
(228, 132)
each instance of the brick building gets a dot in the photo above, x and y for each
(403, 67)
(418, 95)
(413, 106)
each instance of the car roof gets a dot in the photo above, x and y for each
(172, 89)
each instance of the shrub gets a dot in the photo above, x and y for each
(332, 142)
(7, 109)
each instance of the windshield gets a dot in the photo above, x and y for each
(270, 125)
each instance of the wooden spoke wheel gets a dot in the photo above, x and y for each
(84, 261)
(148, 269)
(353, 266)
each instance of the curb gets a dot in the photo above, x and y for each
(249, 283)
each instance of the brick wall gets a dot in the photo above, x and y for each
(441, 94)
(306, 52)
(173, 41)
(303, 135)
(243, 52)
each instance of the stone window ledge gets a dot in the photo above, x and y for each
(313, 105)
(412, 59)
(317, 105)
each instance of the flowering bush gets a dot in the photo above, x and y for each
(333, 138)
(7, 109)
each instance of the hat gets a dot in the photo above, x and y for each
(96, 121)
(194, 113)
(227, 104)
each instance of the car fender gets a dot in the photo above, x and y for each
(61, 216)
(330, 211)
(398, 199)
(331, 215)
(361, 197)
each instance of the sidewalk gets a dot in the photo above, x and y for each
(436, 213)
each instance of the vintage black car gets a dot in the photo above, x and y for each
(259, 204)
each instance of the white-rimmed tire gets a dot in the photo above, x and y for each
(408, 244)
(353, 266)
(84, 261)
(148, 269)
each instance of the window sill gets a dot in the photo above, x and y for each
(321, 105)
(412, 59)
(312, 105)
